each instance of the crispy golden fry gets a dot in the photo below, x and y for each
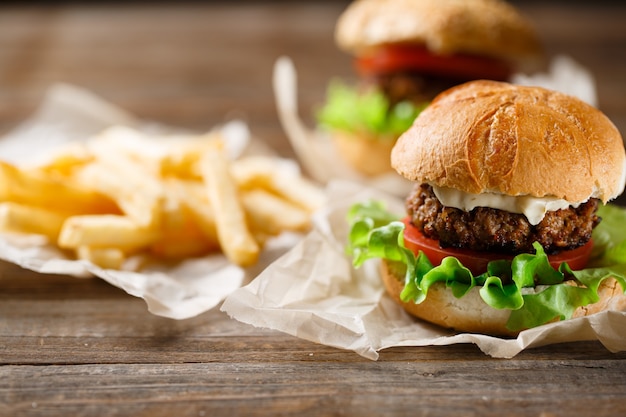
(193, 196)
(265, 172)
(147, 151)
(174, 215)
(299, 191)
(21, 218)
(130, 144)
(184, 158)
(181, 236)
(271, 214)
(254, 171)
(234, 236)
(105, 231)
(181, 247)
(65, 161)
(138, 194)
(171, 155)
(106, 258)
(36, 189)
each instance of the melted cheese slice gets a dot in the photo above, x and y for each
(534, 208)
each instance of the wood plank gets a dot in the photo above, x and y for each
(367, 388)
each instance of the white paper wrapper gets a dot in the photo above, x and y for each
(313, 292)
(316, 152)
(177, 291)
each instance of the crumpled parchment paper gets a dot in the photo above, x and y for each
(314, 293)
(177, 291)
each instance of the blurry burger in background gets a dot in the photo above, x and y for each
(507, 227)
(408, 51)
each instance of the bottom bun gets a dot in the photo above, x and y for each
(368, 156)
(471, 314)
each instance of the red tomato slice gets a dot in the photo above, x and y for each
(395, 58)
(477, 261)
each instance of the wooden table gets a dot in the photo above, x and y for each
(82, 347)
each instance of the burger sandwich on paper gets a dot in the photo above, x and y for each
(408, 51)
(508, 226)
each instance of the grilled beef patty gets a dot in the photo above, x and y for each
(488, 229)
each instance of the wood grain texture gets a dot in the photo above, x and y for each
(81, 347)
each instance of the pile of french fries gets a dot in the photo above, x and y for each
(124, 193)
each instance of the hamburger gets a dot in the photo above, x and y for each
(508, 226)
(408, 51)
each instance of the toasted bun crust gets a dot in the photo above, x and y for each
(487, 136)
(470, 313)
(368, 156)
(484, 27)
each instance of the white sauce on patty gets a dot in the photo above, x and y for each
(534, 208)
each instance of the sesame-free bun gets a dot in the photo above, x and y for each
(470, 314)
(490, 28)
(487, 136)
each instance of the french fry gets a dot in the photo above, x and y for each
(181, 247)
(36, 189)
(184, 156)
(16, 217)
(65, 161)
(254, 172)
(105, 231)
(271, 214)
(174, 215)
(171, 155)
(126, 141)
(193, 196)
(299, 191)
(233, 234)
(265, 172)
(106, 258)
(138, 194)
(130, 144)
(181, 236)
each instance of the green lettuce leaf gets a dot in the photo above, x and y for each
(609, 237)
(365, 112)
(535, 292)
